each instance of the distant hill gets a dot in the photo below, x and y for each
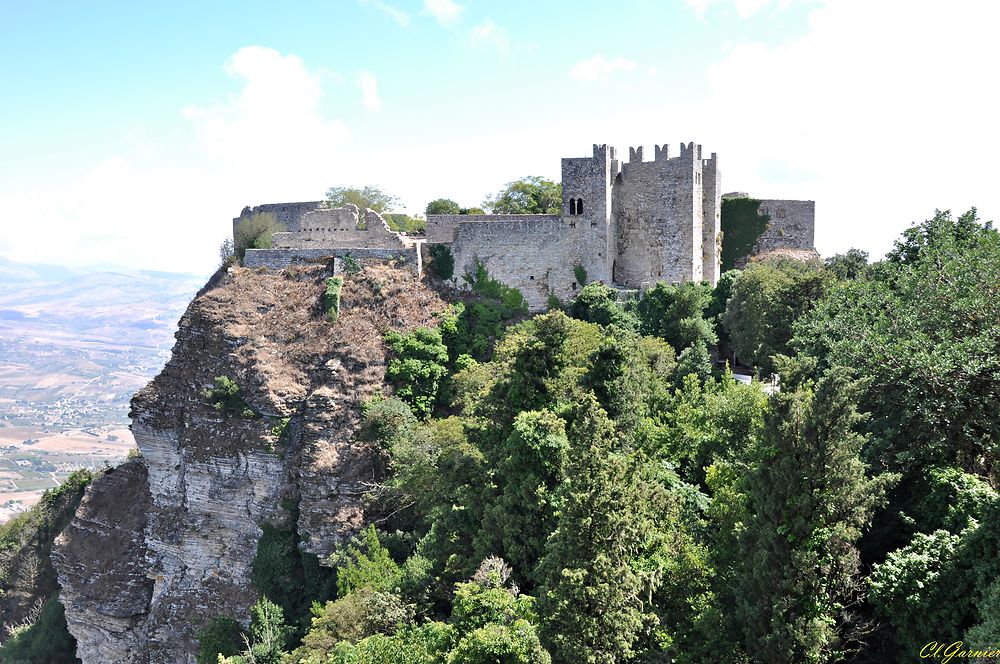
(82, 339)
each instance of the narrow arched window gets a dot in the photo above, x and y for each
(572, 206)
(579, 206)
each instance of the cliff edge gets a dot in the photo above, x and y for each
(167, 541)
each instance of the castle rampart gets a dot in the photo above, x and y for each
(626, 224)
(792, 225)
(340, 227)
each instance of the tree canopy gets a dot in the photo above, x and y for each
(529, 195)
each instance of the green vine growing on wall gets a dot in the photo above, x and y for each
(742, 225)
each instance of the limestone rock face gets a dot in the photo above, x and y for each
(101, 559)
(166, 542)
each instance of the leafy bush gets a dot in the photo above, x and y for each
(221, 636)
(365, 563)
(442, 262)
(580, 273)
(486, 286)
(227, 397)
(331, 298)
(287, 576)
(47, 641)
(255, 232)
(351, 265)
(418, 367)
(598, 303)
(268, 635)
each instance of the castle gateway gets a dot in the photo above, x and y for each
(627, 224)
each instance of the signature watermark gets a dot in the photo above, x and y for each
(957, 650)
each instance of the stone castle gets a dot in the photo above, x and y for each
(627, 224)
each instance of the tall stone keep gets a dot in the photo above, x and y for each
(667, 218)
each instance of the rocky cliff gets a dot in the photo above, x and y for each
(165, 542)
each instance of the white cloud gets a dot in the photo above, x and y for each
(445, 12)
(877, 123)
(369, 92)
(395, 13)
(490, 34)
(599, 67)
(745, 8)
(168, 203)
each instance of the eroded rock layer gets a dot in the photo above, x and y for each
(180, 526)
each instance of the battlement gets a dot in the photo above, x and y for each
(626, 224)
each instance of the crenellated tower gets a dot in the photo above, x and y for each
(659, 210)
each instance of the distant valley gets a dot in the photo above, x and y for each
(75, 345)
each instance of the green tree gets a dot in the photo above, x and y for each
(598, 303)
(443, 206)
(676, 313)
(268, 635)
(418, 365)
(809, 502)
(529, 471)
(593, 594)
(921, 327)
(529, 195)
(767, 298)
(369, 196)
(849, 265)
(365, 563)
(255, 232)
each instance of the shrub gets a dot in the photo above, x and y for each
(483, 284)
(47, 640)
(442, 262)
(419, 366)
(227, 397)
(331, 298)
(580, 273)
(351, 265)
(365, 563)
(255, 232)
(221, 636)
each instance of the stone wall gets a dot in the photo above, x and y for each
(535, 255)
(277, 259)
(659, 218)
(587, 183)
(792, 225)
(441, 228)
(711, 225)
(288, 214)
(340, 227)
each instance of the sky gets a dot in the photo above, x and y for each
(132, 133)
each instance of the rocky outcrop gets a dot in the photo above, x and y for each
(209, 479)
(101, 560)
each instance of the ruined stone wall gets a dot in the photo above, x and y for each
(659, 218)
(277, 259)
(288, 214)
(792, 225)
(711, 224)
(535, 256)
(340, 227)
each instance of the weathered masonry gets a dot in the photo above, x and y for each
(315, 232)
(628, 224)
(625, 223)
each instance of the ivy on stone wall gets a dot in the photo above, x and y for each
(331, 298)
(742, 224)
